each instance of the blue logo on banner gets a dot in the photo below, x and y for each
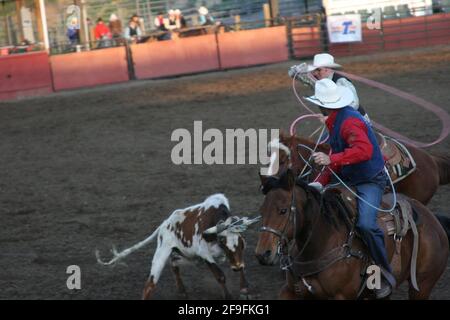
(346, 25)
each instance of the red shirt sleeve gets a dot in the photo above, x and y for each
(360, 149)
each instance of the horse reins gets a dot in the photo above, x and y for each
(282, 235)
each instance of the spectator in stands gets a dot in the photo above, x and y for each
(205, 18)
(102, 34)
(73, 32)
(133, 31)
(161, 24)
(115, 26)
(180, 20)
(437, 7)
(172, 20)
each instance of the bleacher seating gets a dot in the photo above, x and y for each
(403, 11)
(364, 14)
(389, 12)
(445, 5)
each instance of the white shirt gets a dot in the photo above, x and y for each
(345, 83)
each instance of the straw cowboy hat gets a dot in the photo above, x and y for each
(203, 11)
(323, 60)
(329, 95)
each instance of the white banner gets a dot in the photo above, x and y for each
(344, 28)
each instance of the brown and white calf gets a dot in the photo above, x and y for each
(205, 232)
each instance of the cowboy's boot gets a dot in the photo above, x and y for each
(386, 284)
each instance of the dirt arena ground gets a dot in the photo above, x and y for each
(87, 169)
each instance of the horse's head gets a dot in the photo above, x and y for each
(278, 218)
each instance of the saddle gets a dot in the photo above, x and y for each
(395, 225)
(399, 161)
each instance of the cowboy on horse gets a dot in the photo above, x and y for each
(357, 158)
(323, 67)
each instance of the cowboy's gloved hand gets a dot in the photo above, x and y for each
(297, 70)
(323, 118)
(316, 185)
(321, 158)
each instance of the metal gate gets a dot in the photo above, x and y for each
(306, 36)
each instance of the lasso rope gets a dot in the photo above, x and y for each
(438, 111)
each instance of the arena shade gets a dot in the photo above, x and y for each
(181, 56)
(253, 47)
(89, 68)
(25, 75)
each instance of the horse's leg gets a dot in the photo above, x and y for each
(288, 292)
(179, 282)
(220, 277)
(158, 263)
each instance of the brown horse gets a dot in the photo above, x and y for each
(322, 228)
(431, 171)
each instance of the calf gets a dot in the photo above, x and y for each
(205, 232)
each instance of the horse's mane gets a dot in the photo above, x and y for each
(329, 202)
(293, 141)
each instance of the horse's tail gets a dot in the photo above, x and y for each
(445, 223)
(120, 255)
(443, 163)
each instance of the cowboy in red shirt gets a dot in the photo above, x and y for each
(357, 160)
(101, 32)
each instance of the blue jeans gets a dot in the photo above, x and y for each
(372, 192)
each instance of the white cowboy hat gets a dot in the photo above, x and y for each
(171, 12)
(177, 11)
(323, 60)
(203, 11)
(113, 17)
(329, 95)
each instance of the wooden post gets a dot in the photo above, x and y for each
(267, 16)
(84, 29)
(237, 22)
(289, 39)
(19, 5)
(150, 16)
(43, 24)
(40, 31)
(274, 9)
(8, 31)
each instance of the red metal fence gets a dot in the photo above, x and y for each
(309, 36)
(25, 75)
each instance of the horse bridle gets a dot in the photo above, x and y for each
(283, 240)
